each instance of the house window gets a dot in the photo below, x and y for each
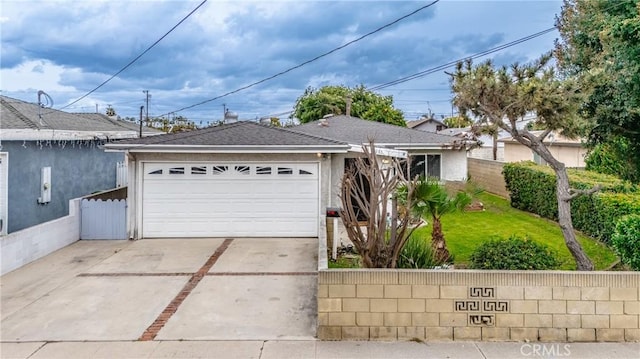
(304, 172)
(176, 171)
(417, 166)
(433, 166)
(242, 169)
(198, 170)
(425, 165)
(263, 170)
(539, 160)
(438, 127)
(285, 171)
(156, 172)
(218, 170)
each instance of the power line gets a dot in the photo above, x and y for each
(479, 54)
(453, 63)
(309, 61)
(137, 57)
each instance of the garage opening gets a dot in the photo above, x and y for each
(230, 200)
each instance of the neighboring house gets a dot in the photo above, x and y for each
(48, 157)
(571, 152)
(248, 179)
(427, 125)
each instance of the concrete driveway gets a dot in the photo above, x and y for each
(165, 289)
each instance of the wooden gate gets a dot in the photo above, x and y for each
(103, 219)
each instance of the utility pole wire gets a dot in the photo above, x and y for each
(309, 61)
(137, 57)
(453, 63)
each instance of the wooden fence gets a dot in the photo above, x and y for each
(103, 219)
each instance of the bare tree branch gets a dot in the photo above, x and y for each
(380, 246)
(582, 192)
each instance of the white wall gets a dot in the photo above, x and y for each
(25, 246)
(454, 165)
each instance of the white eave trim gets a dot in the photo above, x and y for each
(380, 151)
(419, 145)
(67, 135)
(114, 147)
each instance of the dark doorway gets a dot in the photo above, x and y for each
(362, 182)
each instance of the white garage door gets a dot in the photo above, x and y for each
(230, 200)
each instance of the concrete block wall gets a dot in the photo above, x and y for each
(25, 246)
(431, 305)
(488, 174)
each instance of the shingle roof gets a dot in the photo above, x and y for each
(241, 133)
(416, 123)
(21, 115)
(357, 131)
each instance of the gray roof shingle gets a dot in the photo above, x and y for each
(357, 131)
(241, 133)
(20, 115)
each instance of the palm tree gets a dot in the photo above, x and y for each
(432, 200)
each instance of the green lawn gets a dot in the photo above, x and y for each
(467, 230)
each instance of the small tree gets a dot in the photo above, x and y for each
(386, 233)
(365, 104)
(431, 201)
(502, 97)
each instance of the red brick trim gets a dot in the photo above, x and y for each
(127, 274)
(163, 318)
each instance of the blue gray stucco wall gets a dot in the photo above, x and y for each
(78, 168)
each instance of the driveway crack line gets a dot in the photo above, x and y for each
(152, 331)
(37, 350)
(261, 349)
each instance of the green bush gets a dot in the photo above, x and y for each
(417, 253)
(533, 189)
(626, 240)
(513, 253)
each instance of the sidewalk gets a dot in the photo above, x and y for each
(317, 349)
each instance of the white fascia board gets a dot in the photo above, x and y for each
(65, 135)
(381, 151)
(112, 147)
(419, 145)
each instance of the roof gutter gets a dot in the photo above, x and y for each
(380, 151)
(113, 147)
(66, 135)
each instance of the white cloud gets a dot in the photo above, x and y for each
(34, 74)
(225, 45)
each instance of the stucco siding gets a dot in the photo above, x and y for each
(75, 171)
(571, 156)
(454, 165)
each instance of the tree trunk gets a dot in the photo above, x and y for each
(495, 146)
(564, 219)
(438, 243)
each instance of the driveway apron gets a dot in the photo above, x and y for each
(157, 289)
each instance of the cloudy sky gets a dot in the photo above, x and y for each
(67, 48)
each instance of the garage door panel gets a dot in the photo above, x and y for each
(215, 200)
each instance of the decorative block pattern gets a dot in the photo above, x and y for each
(478, 305)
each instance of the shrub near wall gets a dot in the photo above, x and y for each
(533, 189)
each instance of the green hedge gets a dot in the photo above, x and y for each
(533, 189)
(514, 253)
(626, 240)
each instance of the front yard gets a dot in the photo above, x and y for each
(467, 230)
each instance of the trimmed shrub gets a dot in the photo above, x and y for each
(626, 240)
(417, 253)
(533, 189)
(514, 253)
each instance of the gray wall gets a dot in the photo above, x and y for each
(76, 170)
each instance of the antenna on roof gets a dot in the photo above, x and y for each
(41, 105)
